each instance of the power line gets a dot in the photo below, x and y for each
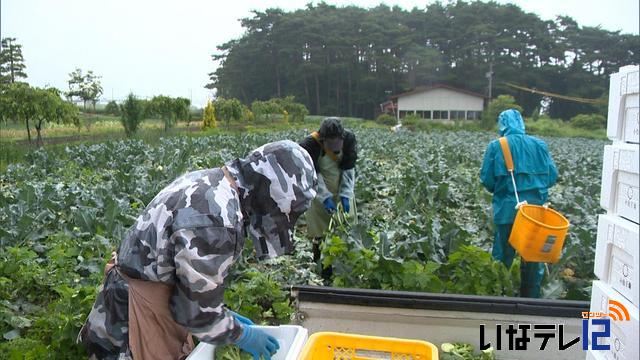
(559, 96)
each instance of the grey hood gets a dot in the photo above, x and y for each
(277, 182)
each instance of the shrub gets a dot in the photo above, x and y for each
(471, 270)
(181, 108)
(228, 109)
(413, 122)
(162, 107)
(387, 119)
(247, 114)
(496, 106)
(209, 116)
(169, 109)
(112, 108)
(133, 111)
(23, 348)
(265, 110)
(546, 126)
(298, 112)
(535, 115)
(589, 121)
(294, 111)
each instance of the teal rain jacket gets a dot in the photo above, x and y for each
(535, 171)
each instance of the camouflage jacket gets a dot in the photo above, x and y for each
(187, 237)
(192, 232)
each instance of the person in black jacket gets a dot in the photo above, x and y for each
(334, 154)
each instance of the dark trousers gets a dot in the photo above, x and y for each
(326, 272)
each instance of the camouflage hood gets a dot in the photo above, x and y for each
(277, 182)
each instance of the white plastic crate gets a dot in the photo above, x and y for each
(594, 355)
(622, 119)
(619, 193)
(624, 336)
(617, 255)
(290, 337)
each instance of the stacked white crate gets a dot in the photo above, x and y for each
(616, 263)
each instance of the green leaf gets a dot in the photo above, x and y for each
(10, 335)
(85, 219)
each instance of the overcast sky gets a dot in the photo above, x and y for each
(152, 47)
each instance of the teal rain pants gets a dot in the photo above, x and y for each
(531, 273)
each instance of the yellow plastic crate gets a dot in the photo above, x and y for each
(341, 346)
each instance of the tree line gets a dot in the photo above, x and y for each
(34, 106)
(284, 109)
(347, 60)
(133, 111)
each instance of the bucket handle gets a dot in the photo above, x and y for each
(506, 152)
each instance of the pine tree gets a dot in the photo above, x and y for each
(11, 61)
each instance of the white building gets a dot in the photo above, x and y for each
(440, 102)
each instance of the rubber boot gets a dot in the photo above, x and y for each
(531, 274)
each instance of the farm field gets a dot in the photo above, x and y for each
(99, 128)
(424, 225)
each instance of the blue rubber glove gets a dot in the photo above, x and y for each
(241, 319)
(345, 203)
(257, 343)
(329, 205)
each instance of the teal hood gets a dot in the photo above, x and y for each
(510, 122)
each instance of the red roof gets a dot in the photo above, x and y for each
(421, 89)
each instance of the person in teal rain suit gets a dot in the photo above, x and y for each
(534, 174)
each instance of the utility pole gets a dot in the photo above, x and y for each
(490, 76)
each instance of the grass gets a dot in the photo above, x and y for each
(92, 126)
(557, 128)
(541, 127)
(109, 127)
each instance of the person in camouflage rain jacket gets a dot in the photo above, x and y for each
(192, 232)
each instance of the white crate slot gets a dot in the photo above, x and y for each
(622, 118)
(617, 255)
(620, 190)
(624, 332)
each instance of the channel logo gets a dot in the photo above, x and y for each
(616, 312)
(596, 332)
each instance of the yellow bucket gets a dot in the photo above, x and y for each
(342, 346)
(538, 233)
